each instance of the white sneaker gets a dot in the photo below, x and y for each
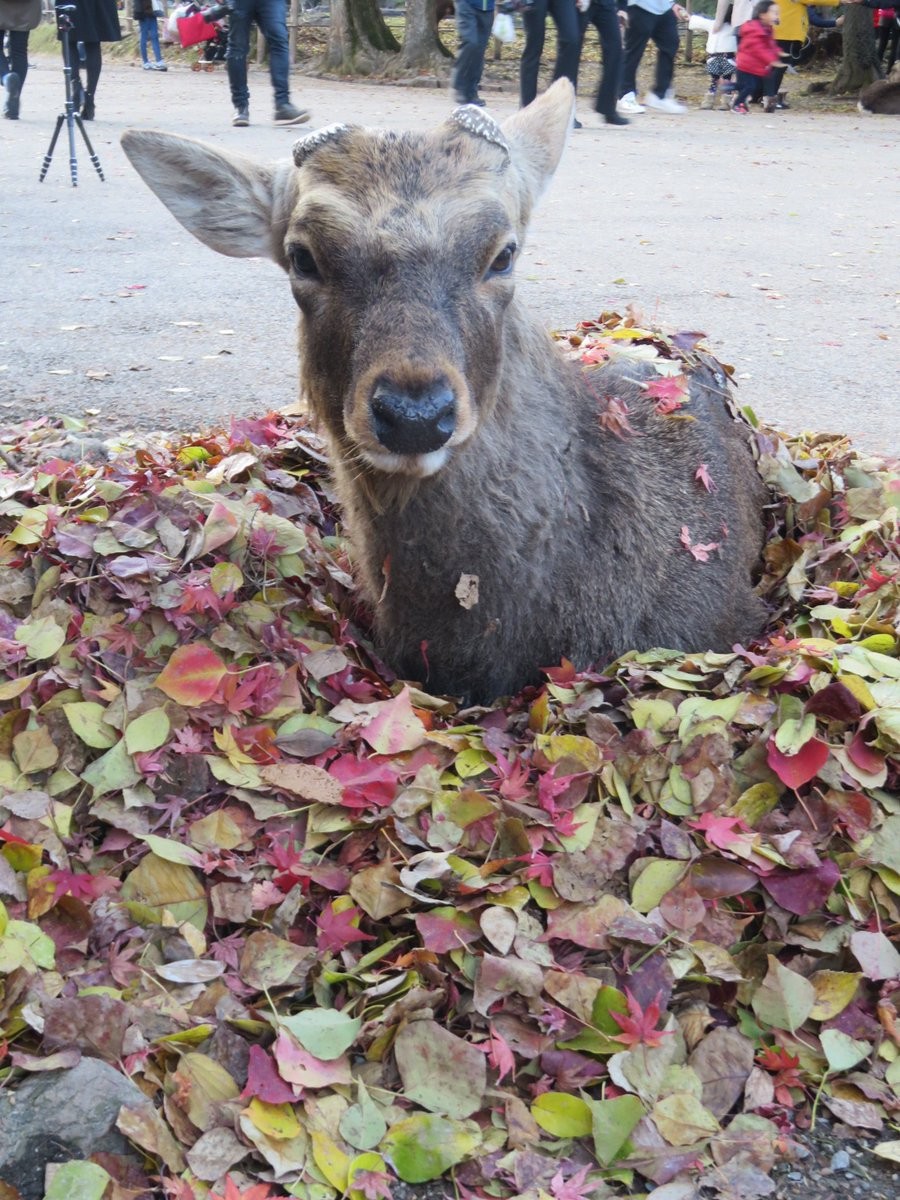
(629, 105)
(666, 104)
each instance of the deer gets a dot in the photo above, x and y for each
(497, 524)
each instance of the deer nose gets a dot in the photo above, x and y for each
(416, 421)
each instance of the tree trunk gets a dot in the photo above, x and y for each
(422, 47)
(359, 41)
(859, 66)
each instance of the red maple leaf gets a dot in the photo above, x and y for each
(499, 1055)
(374, 1185)
(700, 552)
(703, 476)
(337, 929)
(720, 831)
(670, 393)
(639, 1027)
(257, 1191)
(573, 1188)
(81, 885)
(785, 1068)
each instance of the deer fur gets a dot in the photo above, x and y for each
(882, 96)
(533, 532)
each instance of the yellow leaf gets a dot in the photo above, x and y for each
(834, 991)
(562, 1115)
(330, 1159)
(278, 1121)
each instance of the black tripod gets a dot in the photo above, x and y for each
(64, 24)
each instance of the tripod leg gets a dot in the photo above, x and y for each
(49, 155)
(73, 158)
(87, 141)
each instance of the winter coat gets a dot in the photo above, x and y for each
(793, 18)
(723, 42)
(757, 52)
(142, 9)
(96, 21)
(19, 16)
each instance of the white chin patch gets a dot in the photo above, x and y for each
(420, 465)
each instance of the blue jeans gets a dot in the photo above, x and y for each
(474, 28)
(270, 16)
(149, 34)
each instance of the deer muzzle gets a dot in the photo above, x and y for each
(413, 421)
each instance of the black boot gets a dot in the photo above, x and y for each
(87, 109)
(12, 86)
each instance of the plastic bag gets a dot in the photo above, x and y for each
(504, 29)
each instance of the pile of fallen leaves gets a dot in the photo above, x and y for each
(632, 929)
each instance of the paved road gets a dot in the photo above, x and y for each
(778, 236)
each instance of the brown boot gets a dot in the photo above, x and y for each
(708, 100)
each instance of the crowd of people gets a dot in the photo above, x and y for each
(749, 45)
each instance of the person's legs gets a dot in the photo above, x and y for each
(605, 17)
(746, 86)
(93, 64)
(640, 24)
(236, 55)
(568, 39)
(154, 39)
(534, 21)
(17, 54)
(474, 29)
(144, 29)
(271, 16)
(665, 36)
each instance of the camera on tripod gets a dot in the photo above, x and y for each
(65, 17)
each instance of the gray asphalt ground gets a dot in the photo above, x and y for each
(776, 235)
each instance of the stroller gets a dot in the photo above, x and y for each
(206, 28)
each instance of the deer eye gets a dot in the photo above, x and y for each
(503, 263)
(302, 263)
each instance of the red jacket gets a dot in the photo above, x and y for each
(757, 50)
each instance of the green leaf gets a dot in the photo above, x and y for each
(562, 1115)
(843, 1051)
(424, 1146)
(324, 1032)
(77, 1181)
(612, 1122)
(439, 1070)
(784, 999)
(41, 637)
(147, 732)
(656, 880)
(85, 719)
(112, 772)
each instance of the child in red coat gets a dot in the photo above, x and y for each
(757, 52)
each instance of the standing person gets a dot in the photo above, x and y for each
(474, 19)
(145, 13)
(17, 19)
(792, 26)
(270, 17)
(721, 47)
(608, 20)
(93, 22)
(757, 53)
(656, 21)
(568, 44)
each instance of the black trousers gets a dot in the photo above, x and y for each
(15, 57)
(568, 44)
(662, 30)
(603, 15)
(474, 28)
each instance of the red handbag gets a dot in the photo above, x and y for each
(194, 29)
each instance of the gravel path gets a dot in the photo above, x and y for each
(776, 235)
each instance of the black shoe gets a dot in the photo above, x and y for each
(290, 114)
(615, 118)
(241, 117)
(12, 85)
(87, 109)
(476, 103)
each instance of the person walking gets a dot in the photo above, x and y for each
(721, 47)
(564, 14)
(608, 20)
(146, 13)
(474, 20)
(792, 27)
(17, 19)
(93, 22)
(270, 17)
(757, 54)
(656, 21)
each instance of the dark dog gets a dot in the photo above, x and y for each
(883, 96)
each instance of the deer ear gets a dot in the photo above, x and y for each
(225, 200)
(537, 135)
